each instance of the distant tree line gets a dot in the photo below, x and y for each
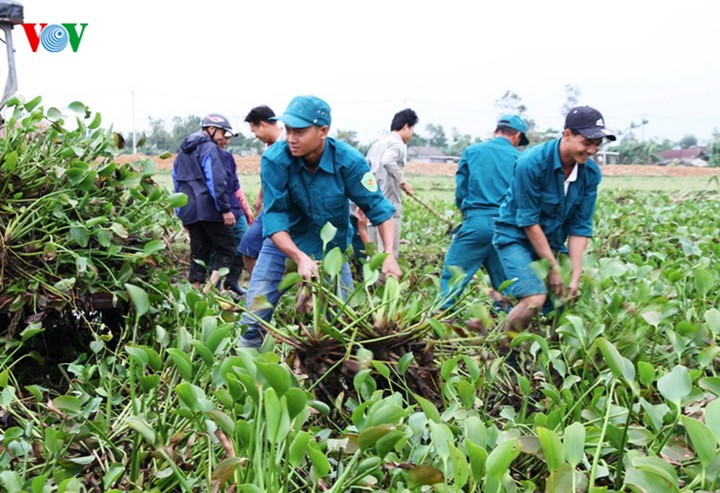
(163, 136)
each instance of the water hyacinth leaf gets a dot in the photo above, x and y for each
(12, 481)
(712, 418)
(205, 354)
(54, 114)
(561, 480)
(77, 107)
(703, 281)
(466, 393)
(276, 375)
(10, 162)
(620, 366)
(153, 357)
(702, 439)
(65, 284)
(500, 458)
(95, 123)
(80, 234)
(225, 470)
(296, 401)
(141, 426)
(277, 420)
(428, 408)
(32, 104)
(712, 319)
(298, 448)
(381, 368)
(478, 456)
(675, 385)
(333, 261)
(388, 442)
(149, 382)
(216, 337)
(376, 261)
(152, 247)
(193, 397)
(182, 362)
(139, 298)
(31, 331)
(652, 317)
(138, 355)
(68, 404)
(574, 443)
(708, 355)
(404, 362)
(441, 437)
(119, 230)
(657, 468)
(320, 463)
(424, 475)
(646, 373)
(225, 422)
(289, 280)
(177, 200)
(552, 448)
(327, 233)
(387, 414)
(369, 436)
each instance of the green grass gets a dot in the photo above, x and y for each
(443, 187)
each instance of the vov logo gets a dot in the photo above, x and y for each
(54, 37)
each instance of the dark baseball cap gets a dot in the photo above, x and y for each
(588, 122)
(306, 111)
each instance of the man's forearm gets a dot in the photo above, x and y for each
(285, 244)
(539, 241)
(387, 234)
(576, 249)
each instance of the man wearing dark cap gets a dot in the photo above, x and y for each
(550, 202)
(199, 172)
(307, 181)
(482, 180)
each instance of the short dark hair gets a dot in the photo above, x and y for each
(260, 114)
(405, 117)
(506, 130)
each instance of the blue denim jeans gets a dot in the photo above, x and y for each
(266, 277)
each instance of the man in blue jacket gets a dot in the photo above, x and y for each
(482, 180)
(199, 172)
(307, 181)
(551, 201)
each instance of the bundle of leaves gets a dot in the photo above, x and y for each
(75, 226)
(339, 333)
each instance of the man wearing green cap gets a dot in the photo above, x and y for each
(548, 211)
(307, 181)
(482, 179)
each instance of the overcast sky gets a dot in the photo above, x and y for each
(449, 60)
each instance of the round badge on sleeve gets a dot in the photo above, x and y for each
(369, 181)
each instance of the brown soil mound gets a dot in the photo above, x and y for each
(250, 165)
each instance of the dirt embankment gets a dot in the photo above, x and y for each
(250, 165)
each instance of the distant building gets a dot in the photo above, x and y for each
(692, 156)
(606, 157)
(429, 155)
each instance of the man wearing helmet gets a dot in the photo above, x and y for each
(199, 172)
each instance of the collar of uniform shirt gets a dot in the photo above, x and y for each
(572, 178)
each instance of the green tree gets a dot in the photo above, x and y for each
(572, 93)
(513, 104)
(714, 150)
(349, 137)
(437, 136)
(460, 142)
(688, 141)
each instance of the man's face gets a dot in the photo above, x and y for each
(223, 141)
(406, 133)
(306, 141)
(580, 148)
(217, 135)
(262, 131)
